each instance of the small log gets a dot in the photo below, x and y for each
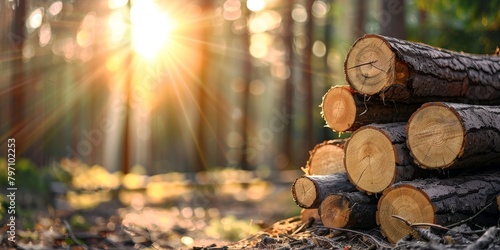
(498, 201)
(310, 191)
(348, 210)
(407, 71)
(450, 135)
(436, 201)
(307, 213)
(344, 110)
(326, 158)
(376, 156)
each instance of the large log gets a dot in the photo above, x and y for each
(348, 210)
(345, 110)
(326, 158)
(450, 135)
(376, 156)
(310, 191)
(436, 201)
(407, 71)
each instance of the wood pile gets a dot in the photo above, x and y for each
(425, 145)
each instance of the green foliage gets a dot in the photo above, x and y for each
(461, 25)
(230, 228)
(78, 222)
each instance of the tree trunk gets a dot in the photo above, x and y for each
(344, 110)
(289, 92)
(414, 72)
(437, 201)
(392, 18)
(376, 157)
(452, 135)
(326, 158)
(310, 191)
(348, 210)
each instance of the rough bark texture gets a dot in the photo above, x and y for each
(348, 210)
(326, 158)
(451, 135)
(438, 201)
(310, 191)
(407, 71)
(376, 157)
(345, 110)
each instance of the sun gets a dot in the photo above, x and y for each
(151, 28)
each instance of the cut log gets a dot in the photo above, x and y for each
(498, 201)
(451, 135)
(326, 158)
(310, 191)
(376, 156)
(344, 110)
(437, 201)
(348, 210)
(307, 213)
(406, 71)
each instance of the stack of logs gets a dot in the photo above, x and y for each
(425, 147)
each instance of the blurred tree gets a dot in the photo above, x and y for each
(308, 79)
(392, 18)
(462, 25)
(288, 26)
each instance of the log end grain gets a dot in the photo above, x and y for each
(326, 158)
(435, 136)
(498, 201)
(370, 65)
(335, 211)
(370, 160)
(339, 108)
(304, 192)
(406, 202)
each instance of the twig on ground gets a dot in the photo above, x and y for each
(470, 218)
(72, 235)
(373, 238)
(485, 240)
(414, 225)
(303, 226)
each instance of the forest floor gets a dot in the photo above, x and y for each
(252, 214)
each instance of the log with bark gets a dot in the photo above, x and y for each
(310, 191)
(326, 158)
(348, 210)
(345, 110)
(407, 71)
(437, 201)
(450, 135)
(376, 157)
(307, 213)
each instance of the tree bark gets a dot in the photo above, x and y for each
(348, 210)
(452, 135)
(310, 191)
(326, 158)
(376, 157)
(345, 110)
(437, 201)
(414, 72)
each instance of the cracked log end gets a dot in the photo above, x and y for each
(339, 108)
(304, 192)
(435, 136)
(370, 65)
(407, 202)
(326, 158)
(370, 160)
